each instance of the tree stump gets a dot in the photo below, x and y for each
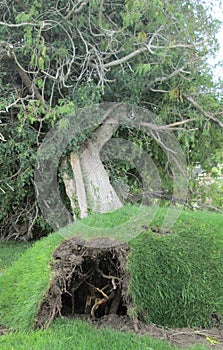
(90, 279)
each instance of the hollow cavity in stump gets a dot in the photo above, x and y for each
(90, 279)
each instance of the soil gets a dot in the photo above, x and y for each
(181, 337)
(90, 279)
(91, 283)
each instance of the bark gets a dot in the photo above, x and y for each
(101, 194)
(80, 188)
(90, 184)
(29, 84)
(69, 187)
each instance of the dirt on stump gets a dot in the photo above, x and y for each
(91, 283)
(90, 279)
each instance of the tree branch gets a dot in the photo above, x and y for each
(105, 132)
(207, 115)
(2, 138)
(29, 84)
(21, 4)
(14, 25)
(125, 58)
(77, 9)
(149, 48)
(10, 54)
(166, 127)
(167, 77)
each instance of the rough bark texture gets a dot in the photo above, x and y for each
(90, 184)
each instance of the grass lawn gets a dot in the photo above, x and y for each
(10, 252)
(78, 335)
(73, 334)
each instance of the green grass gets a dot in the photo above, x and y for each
(177, 279)
(183, 264)
(174, 277)
(78, 335)
(22, 286)
(10, 252)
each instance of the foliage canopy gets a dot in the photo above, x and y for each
(58, 57)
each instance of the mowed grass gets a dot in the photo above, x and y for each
(177, 278)
(10, 252)
(24, 284)
(78, 335)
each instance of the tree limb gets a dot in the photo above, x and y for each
(104, 132)
(166, 77)
(143, 49)
(29, 84)
(77, 9)
(125, 58)
(21, 4)
(10, 54)
(166, 127)
(207, 115)
(14, 25)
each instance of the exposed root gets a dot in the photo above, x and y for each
(88, 280)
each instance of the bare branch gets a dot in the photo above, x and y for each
(77, 8)
(20, 99)
(125, 58)
(105, 31)
(2, 138)
(149, 48)
(175, 46)
(21, 4)
(29, 84)
(207, 115)
(165, 78)
(166, 127)
(23, 74)
(16, 25)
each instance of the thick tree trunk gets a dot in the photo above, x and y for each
(70, 190)
(80, 188)
(101, 194)
(90, 187)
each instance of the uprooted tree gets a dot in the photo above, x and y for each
(58, 58)
(88, 185)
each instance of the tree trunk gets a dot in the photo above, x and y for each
(90, 187)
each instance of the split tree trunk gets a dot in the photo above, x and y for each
(89, 188)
